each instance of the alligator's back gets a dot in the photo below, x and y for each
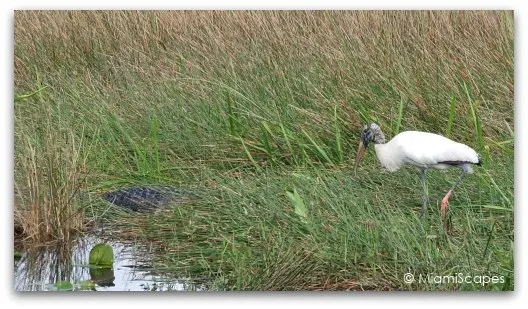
(146, 198)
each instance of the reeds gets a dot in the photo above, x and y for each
(50, 176)
(248, 105)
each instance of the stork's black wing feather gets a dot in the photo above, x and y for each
(457, 163)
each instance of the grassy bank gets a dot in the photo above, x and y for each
(261, 112)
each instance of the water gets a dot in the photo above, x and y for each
(40, 269)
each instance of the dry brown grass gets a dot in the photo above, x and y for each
(48, 181)
(422, 56)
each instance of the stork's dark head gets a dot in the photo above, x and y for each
(372, 133)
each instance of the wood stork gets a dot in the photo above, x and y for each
(421, 149)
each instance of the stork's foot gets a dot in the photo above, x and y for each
(444, 208)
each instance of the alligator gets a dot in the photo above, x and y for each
(147, 198)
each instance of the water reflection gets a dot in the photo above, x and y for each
(39, 268)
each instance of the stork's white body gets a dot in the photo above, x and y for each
(425, 150)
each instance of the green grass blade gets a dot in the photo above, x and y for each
(319, 149)
(28, 95)
(473, 105)
(288, 144)
(154, 126)
(265, 142)
(451, 116)
(231, 117)
(248, 154)
(401, 110)
(339, 147)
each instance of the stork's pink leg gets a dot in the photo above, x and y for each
(445, 207)
(445, 203)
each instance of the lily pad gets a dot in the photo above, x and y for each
(60, 286)
(86, 285)
(102, 255)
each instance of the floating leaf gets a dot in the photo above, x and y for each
(60, 286)
(102, 255)
(86, 285)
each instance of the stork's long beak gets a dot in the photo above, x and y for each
(359, 156)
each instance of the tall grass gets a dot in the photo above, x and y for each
(451, 116)
(50, 167)
(262, 110)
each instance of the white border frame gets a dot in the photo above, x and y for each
(244, 300)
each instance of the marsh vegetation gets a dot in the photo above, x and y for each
(261, 112)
